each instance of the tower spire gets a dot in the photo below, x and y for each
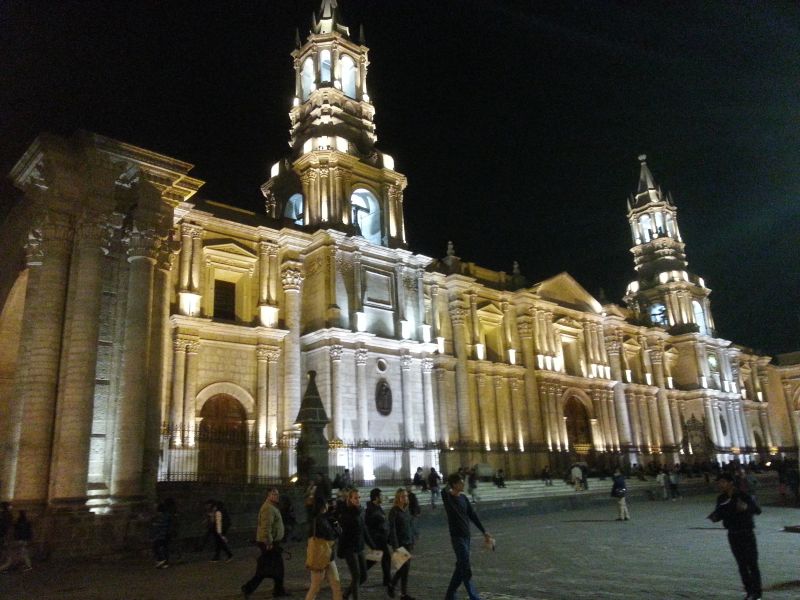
(329, 20)
(646, 181)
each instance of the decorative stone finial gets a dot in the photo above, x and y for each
(642, 157)
(451, 251)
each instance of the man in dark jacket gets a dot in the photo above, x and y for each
(378, 527)
(459, 513)
(352, 542)
(736, 509)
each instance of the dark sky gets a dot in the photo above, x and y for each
(518, 124)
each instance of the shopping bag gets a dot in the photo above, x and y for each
(318, 553)
(373, 555)
(399, 557)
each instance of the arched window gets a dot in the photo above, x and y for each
(307, 77)
(366, 215)
(294, 209)
(348, 70)
(325, 65)
(658, 315)
(699, 316)
(670, 226)
(660, 227)
(646, 227)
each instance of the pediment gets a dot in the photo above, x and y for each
(615, 310)
(229, 247)
(490, 309)
(564, 290)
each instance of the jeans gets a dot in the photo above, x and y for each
(220, 544)
(358, 573)
(463, 570)
(745, 551)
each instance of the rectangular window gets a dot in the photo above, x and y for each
(224, 300)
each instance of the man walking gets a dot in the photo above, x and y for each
(269, 534)
(459, 513)
(736, 509)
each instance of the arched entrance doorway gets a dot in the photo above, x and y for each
(222, 441)
(579, 432)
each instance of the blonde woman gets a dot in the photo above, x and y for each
(322, 528)
(401, 533)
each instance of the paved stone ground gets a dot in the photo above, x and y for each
(667, 551)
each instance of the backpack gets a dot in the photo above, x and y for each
(226, 517)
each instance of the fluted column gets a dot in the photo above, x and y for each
(740, 427)
(458, 317)
(337, 418)
(636, 424)
(601, 435)
(177, 423)
(677, 423)
(186, 256)
(427, 399)
(559, 439)
(788, 394)
(25, 477)
(655, 422)
(751, 435)
(361, 394)
(519, 414)
(292, 279)
(608, 398)
(763, 418)
(503, 412)
(73, 424)
(127, 468)
(408, 412)
(550, 437)
(733, 427)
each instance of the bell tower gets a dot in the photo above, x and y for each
(335, 177)
(664, 292)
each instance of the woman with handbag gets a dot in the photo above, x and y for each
(619, 492)
(352, 542)
(319, 556)
(401, 534)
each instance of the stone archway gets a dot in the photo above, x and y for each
(222, 441)
(579, 429)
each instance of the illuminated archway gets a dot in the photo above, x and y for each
(366, 215)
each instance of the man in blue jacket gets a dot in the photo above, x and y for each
(736, 509)
(459, 513)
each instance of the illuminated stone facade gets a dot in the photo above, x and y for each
(137, 321)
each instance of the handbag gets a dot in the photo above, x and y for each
(318, 552)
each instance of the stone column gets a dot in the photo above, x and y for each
(633, 409)
(408, 412)
(733, 428)
(559, 439)
(711, 426)
(292, 279)
(177, 424)
(337, 418)
(427, 399)
(458, 317)
(677, 423)
(550, 437)
(273, 358)
(495, 411)
(764, 420)
(482, 401)
(507, 437)
(186, 256)
(73, 424)
(788, 397)
(740, 428)
(127, 467)
(667, 431)
(441, 396)
(655, 422)
(25, 478)
(601, 433)
(197, 258)
(361, 394)
(190, 392)
(751, 436)
(608, 398)
(535, 413)
(262, 379)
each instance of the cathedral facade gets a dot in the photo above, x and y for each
(152, 336)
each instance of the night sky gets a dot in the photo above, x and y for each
(518, 124)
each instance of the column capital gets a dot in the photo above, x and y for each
(498, 381)
(458, 313)
(193, 346)
(292, 276)
(427, 365)
(335, 352)
(361, 356)
(405, 362)
(142, 243)
(179, 344)
(191, 229)
(440, 374)
(265, 352)
(525, 327)
(267, 248)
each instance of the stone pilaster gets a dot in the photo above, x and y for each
(441, 396)
(176, 420)
(190, 392)
(534, 406)
(262, 377)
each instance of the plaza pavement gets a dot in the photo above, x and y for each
(667, 551)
